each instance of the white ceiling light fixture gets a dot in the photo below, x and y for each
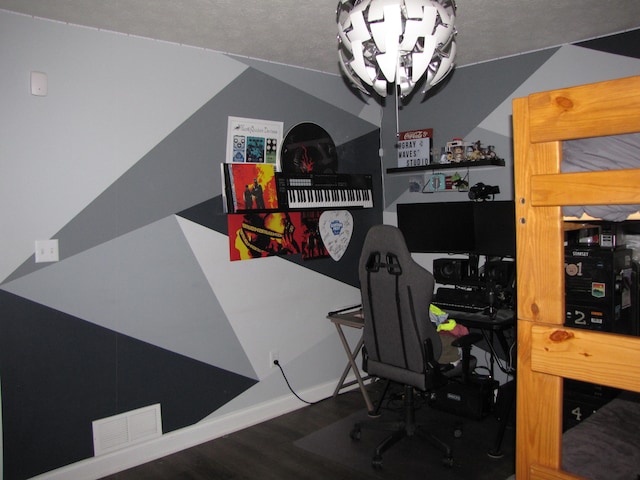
(383, 42)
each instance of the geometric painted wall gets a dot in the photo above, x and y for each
(121, 164)
(59, 373)
(144, 306)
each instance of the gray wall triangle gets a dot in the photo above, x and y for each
(150, 288)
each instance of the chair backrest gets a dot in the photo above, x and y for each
(396, 294)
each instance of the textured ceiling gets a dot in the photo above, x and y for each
(303, 34)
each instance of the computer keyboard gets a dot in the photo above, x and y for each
(471, 301)
(459, 307)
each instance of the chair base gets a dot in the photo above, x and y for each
(400, 430)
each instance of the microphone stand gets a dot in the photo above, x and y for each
(491, 295)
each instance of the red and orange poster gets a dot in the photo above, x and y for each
(260, 234)
(249, 186)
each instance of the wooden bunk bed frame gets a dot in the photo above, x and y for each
(548, 351)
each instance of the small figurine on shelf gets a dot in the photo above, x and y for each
(481, 153)
(478, 152)
(458, 154)
(445, 156)
(456, 149)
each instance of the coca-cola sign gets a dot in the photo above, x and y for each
(416, 134)
(414, 148)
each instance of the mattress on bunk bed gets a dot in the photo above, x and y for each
(606, 445)
(601, 153)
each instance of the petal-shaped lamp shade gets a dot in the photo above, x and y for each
(398, 42)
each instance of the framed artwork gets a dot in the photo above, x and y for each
(257, 235)
(312, 243)
(253, 141)
(249, 186)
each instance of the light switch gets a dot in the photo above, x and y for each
(39, 84)
(47, 251)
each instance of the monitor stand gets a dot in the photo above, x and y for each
(474, 261)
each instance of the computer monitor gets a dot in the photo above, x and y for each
(495, 228)
(445, 227)
(477, 228)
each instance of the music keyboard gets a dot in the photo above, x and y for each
(301, 191)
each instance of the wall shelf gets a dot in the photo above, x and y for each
(491, 162)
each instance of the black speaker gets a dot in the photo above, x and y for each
(451, 270)
(502, 273)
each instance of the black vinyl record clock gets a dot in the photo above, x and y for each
(308, 148)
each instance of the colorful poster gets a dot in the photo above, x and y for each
(249, 186)
(312, 244)
(257, 235)
(253, 141)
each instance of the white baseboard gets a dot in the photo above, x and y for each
(172, 442)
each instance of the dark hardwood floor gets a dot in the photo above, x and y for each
(264, 451)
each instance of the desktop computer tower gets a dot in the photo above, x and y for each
(601, 289)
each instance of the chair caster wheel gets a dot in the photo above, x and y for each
(355, 433)
(376, 463)
(447, 461)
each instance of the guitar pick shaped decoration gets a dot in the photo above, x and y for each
(336, 227)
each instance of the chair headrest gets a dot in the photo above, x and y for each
(384, 247)
(390, 263)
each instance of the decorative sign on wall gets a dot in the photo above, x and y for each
(253, 141)
(336, 227)
(308, 148)
(414, 148)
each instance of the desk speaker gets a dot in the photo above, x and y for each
(451, 270)
(502, 273)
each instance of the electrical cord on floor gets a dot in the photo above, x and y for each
(277, 363)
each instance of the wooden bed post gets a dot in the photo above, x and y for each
(548, 351)
(540, 299)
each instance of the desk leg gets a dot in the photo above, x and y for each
(502, 340)
(503, 343)
(488, 337)
(352, 366)
(349, 366)
(508, 402)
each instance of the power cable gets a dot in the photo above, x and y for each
(277, 364)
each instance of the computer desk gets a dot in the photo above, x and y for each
(352, 319)
(489, 325)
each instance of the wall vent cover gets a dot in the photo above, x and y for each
(126, 429)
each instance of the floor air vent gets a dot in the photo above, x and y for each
(125, 429)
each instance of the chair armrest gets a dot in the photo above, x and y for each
(467, 340)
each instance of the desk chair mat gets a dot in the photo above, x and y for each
(415, 458)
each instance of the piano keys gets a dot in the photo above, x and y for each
(321, 191)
